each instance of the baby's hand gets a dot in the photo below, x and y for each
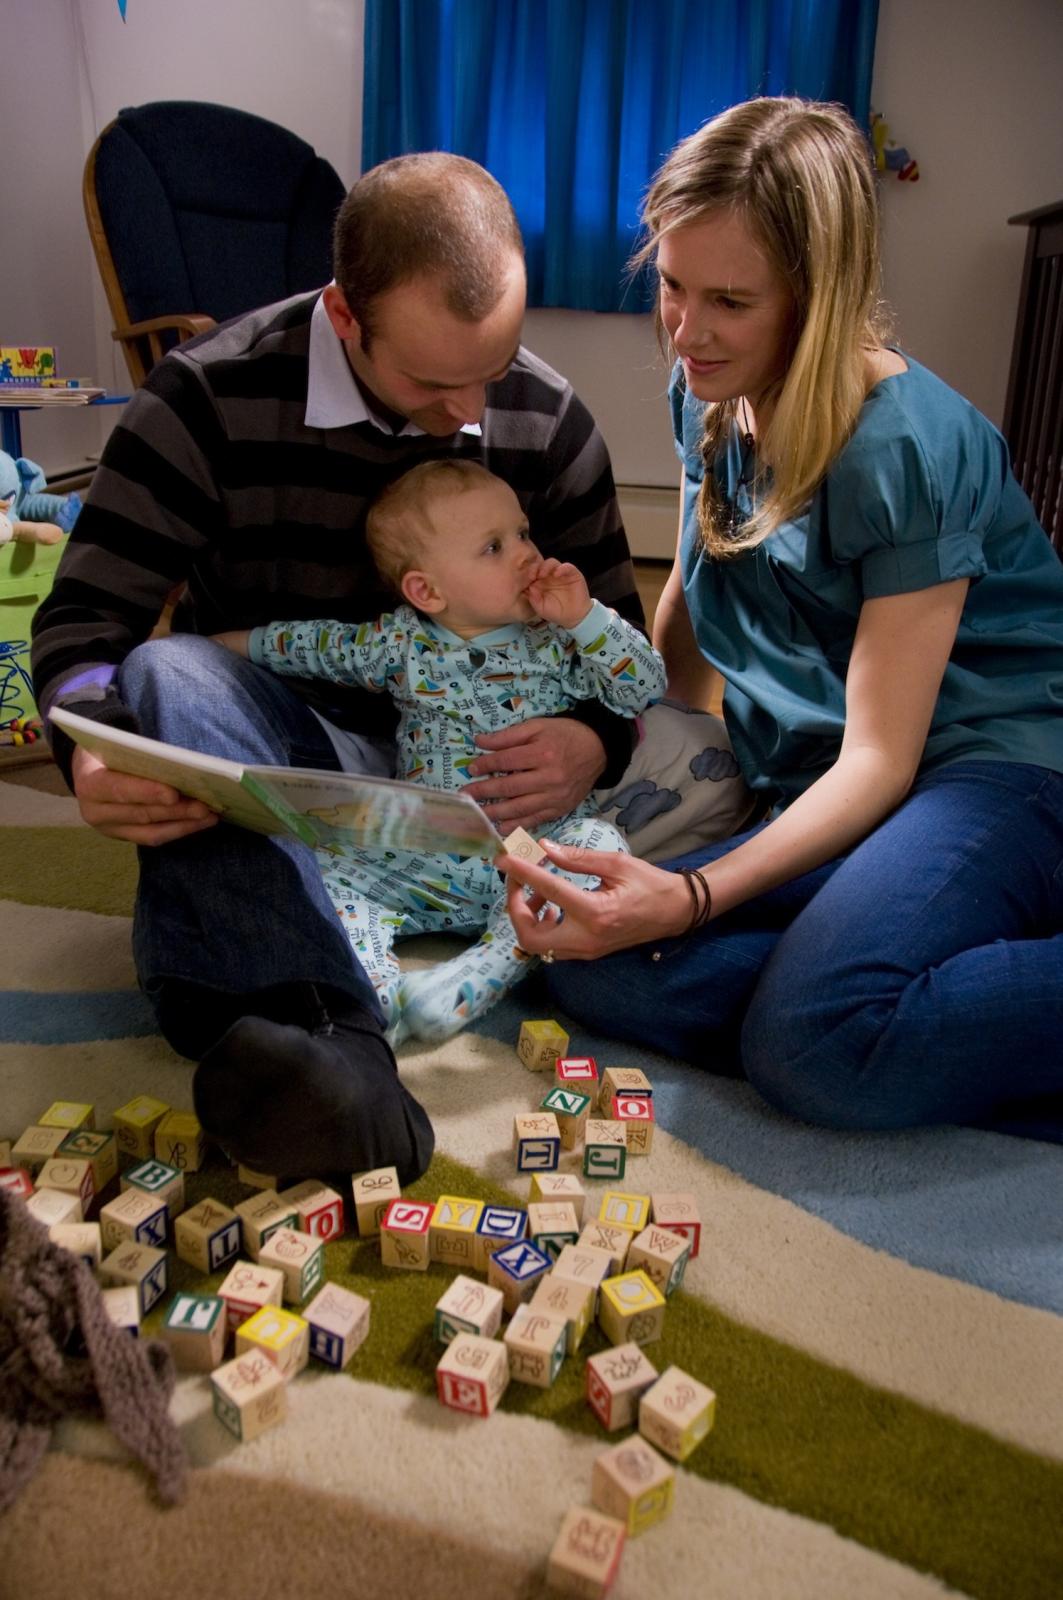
(236, 640)
(559, 593)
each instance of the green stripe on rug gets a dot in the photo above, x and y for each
(791, 1431)
(75, 869)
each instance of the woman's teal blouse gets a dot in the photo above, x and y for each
(921, 494)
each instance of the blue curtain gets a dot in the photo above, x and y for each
(573, 104)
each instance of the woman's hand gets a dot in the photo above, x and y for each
(634, 903)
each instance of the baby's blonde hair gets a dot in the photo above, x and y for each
(799, 175)
(398, 528)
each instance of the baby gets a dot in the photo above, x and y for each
(490, 634)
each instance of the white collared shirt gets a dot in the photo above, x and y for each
(333, 399)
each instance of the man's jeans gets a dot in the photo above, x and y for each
(917, 980)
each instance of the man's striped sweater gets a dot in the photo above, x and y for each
(213, 480)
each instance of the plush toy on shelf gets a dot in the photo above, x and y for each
(889, 155)
(26, 511)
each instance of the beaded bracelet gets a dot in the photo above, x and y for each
(700, 898)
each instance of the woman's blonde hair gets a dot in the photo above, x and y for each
(799, 175)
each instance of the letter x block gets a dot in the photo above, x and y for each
(634, 1112)
(498, 1226)
(207, 1236)
(163, 1182)
(196, 1331)
(140, 1266)
(631, 1307)
(472, 1374)
(516, 1269)
(559, 1186)
(372, 1193)
(133, 1216)
(468, 1307)
(553, 1224)
(616, 1381)
(299, 1257)
(339, 1323)
(586, 1555)
(634, 1484)
(280, 1335)
(250, 1395)
(318, 1208)
(452, 1234)
(571, 1110)
(537, 1142)
(540, 1044)
(604, 1149)
(404, 1234)
(679, 1214)
(676, 1413)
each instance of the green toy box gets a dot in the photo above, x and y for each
(26, 574)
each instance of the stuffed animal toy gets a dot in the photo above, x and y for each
(25, 511)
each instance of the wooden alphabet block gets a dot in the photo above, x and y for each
(607, 1237)
(54, 1206)
(562, 1297)
(616, 1381)
(195, 1329)
(372, 1193)
(631, 1308)
(676, 1413)
(250, 1395)
(537, 1142)
(133, 1217)
(634, 1484)
(141, 1267)
(468, 1307)
(536, 1343)
(135, 1124)
(180, 1141)
(585, 1265)
(318, 1208)
(559, 1186)
(586, 1555)
(577, 1072)
(123, 1308)
(520, 844)
(72, 1177)
(404, 1240)
(207, 1236)
(100, 1150)
(571, 1110)
(516, 1270)
(246, 1288)
(552, 1224)
(604, 1149)
(540, 1044)
(282, 1337)
(163, 1182)
(679, 1214)
(81, 1239)
(621, 1080)
(260, 1215)
(16, 1180)
(498, 1226)
(339, 1322)
(299, 1257)
(36, 1146)
(662, 1255)
(472, 1374)
(635, 1114)
(69, 1114)
(452, 1234)
(622, 1210)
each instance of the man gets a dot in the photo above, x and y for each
(243, 470)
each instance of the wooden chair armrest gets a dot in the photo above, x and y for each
(186, 323)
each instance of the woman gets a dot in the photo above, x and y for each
(886, 948)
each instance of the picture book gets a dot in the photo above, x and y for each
(328, 810)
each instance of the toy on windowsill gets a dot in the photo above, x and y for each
(26, 512)
(890, 156)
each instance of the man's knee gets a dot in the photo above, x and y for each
(176, 664)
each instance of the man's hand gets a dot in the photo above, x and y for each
(137, 809)
(559, 594)
(536, 772)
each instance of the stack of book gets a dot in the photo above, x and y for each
(28, 378)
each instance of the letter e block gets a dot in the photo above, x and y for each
(472, 1374)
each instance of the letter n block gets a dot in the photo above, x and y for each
(516, 1269)
(195, 1329)
(676, 1413)
(586, 1555)
(540, 1044)
(631, 1307)
(634, 1484)
(472, 1374)
(616, 1381)
(553, 1224)
(571, 1110)
(339, 1323)
(404, 1240)
(250, 1395)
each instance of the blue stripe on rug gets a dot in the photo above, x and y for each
(33, 1016)
(980, 1207)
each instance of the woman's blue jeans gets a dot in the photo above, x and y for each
(228, 911)
(917, 980)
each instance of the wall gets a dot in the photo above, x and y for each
(970, 89)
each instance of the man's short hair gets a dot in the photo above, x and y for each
(427, 214)
(399, 525)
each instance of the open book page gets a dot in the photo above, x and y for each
(330, 810)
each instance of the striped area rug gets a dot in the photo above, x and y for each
(880, 1317)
